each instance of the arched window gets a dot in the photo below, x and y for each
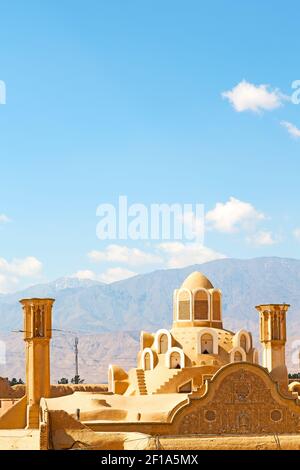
(147, 359)
(163, 344)
(242, 339)
(216, 307)
(207, 344)
(147, 362)
(238, 354)
(201, 306)
(175, 360)
(162, 341)
(238, 357)
(243, 342)
(184, 305)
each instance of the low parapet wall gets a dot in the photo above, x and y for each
(60, 390)
(7, 391)
(63, 390)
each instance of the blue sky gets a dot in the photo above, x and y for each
(125, 98)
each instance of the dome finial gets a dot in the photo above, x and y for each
(197, 280)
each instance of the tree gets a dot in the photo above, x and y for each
(77, 380)
(63, 381)
(14, 381)
(294, 376)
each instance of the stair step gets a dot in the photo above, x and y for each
(167, 381)
(142, 388)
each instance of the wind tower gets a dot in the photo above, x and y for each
(37, 336)
(273, 339)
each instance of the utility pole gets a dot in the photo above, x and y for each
(76, 361)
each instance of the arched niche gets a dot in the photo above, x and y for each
(207, 344)
(147, 359)
(237, 355)
(242, 340)
(216, 306)
(208, 341)
(175, 359)
(163, 341)
(184, 305)
(201, 305)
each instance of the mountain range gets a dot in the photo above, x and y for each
(108, 318)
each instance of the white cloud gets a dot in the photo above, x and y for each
(262, 238)
(123, 254)
(296, 233)
(4, 219)
(246, 96)
(26, 267)
(291, 128)
(115, 274)
(181, 255)
(11, 273)
(233, 215)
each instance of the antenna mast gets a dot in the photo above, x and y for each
(76, 361)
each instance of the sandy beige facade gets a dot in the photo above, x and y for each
(196, 379)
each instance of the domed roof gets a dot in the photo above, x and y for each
(197, 280)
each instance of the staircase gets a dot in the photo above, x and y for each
(140, 374)
(164, 387)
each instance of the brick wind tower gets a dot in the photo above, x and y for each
(37, 336)
(273, 339)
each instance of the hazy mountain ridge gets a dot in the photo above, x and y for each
(144, 302)
(91, 306)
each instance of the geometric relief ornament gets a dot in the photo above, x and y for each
(276, 415)
(241, 404)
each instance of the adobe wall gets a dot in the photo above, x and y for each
(266, 442)
(63, 390)
(67, 433)
(15, 416)
(6, 391)
(241, 399)
(57, 390)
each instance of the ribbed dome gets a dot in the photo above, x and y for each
(197, 280)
